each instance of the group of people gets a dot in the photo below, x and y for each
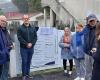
(82, 47)
(27, 36)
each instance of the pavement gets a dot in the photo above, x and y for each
(56, 75)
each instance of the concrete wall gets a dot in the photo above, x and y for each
(41, 23)
(81, 8)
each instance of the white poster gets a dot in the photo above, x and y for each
(45, 48)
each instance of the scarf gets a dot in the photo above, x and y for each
(78, 38)
(66, 38)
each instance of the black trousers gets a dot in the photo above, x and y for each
(70, 64)
(1, 66)
(96, 71)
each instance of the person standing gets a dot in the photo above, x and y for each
(89, 44)
(78, 52)
(64, 44)
(0, 64)
(5, 46)
(96, 66)
(27, 37)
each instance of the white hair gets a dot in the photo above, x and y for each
(66, 28)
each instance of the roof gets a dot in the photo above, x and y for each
(17, 15)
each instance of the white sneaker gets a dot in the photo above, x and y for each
(82, 78)
(78, 78)
(70, 72)
(65, 71)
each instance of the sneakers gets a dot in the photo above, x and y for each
(66, 74)
(78, 78)
(82, 78)
(29, 77)
(65, 71)
(24, 78)
(70, 72)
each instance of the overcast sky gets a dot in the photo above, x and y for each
(2, 1)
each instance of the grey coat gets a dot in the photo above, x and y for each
(65, 50)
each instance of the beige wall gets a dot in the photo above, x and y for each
(81, 8)
(41, 22)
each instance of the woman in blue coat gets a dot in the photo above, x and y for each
(96, 66)
(78, 52)
(64, 44)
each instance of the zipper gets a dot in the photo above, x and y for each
(77, 52)
(28, 33)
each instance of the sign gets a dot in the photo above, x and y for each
(45, 48)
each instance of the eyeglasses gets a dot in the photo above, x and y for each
(26, 19)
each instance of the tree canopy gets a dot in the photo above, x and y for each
(1, 12)
(25, 6)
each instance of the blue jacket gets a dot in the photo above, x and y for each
(77, 51)
(89, 39)
(4, 46)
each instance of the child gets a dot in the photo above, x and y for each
(64, 44)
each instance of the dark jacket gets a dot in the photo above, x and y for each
(96, 71)
(89, 39)
(96, 66)
(8, 37)
(26, 35)
(5, 44)
(36, 28)
(97, 54)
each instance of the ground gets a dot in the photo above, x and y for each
(55, 75)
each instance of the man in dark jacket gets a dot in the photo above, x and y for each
(27, 37)
(5, 47)
(89, 44)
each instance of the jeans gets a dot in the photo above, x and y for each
(89, 66)
(80, 68)
(5, 70)
(26, 55)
